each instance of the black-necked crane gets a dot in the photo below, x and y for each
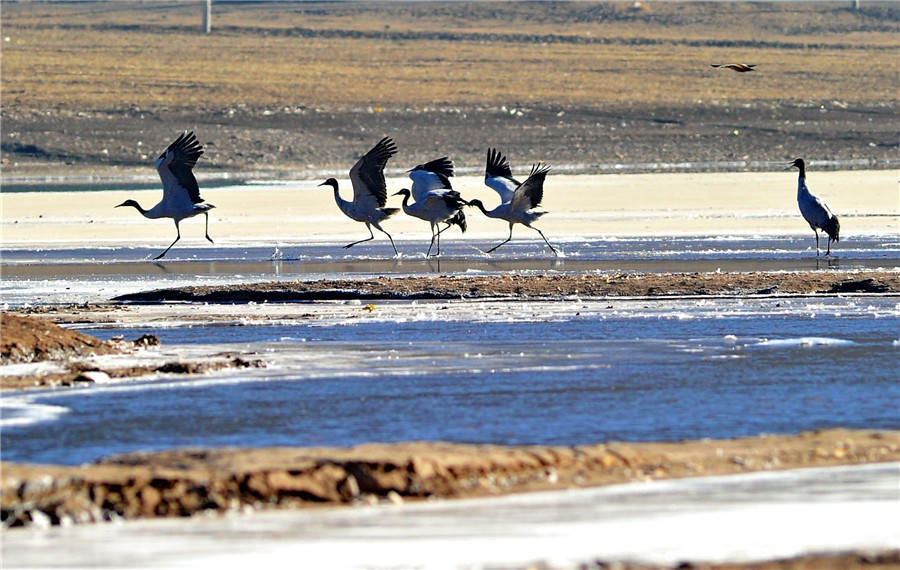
(815, 211)
(519, 201)
(369, 191)
(435, 207)
(739, 67)
(181, 195)
(431, 176)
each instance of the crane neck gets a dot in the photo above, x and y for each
(136, 206)
(480, 206)
(802, 189)
(337, 196)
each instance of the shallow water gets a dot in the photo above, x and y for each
(78, 275)
(566, 372)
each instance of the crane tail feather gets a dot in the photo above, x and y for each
(833, 229)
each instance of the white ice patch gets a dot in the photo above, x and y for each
(806, 341)
(23, 412)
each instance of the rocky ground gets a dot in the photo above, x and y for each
(303, 144)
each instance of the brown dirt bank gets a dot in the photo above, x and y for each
(849, 561)
(536, 286)
(30, 339)
(184, 482)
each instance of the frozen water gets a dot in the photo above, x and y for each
(563, 372)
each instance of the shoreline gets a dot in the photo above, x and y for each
(35, 331)
(186, 482)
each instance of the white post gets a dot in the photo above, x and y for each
(207, 17)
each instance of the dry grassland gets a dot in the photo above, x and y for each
(93, 56)
(296, 87)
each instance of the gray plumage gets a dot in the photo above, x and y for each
(369, 191)
(181, 194)
(519, 201)
(815, 211)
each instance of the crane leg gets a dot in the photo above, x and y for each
(445, 228)
(370, 238)
(397, 253)
(502, 242)
(207, 227)
(817, 241)
(177, 229)
(553, 249)
(431, 245)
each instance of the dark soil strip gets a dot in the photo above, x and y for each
(534, 287)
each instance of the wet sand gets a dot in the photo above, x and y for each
(585, 206)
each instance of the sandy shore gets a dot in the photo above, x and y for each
(589, 206)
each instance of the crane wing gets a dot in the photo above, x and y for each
(184, 153)
(530, 193)
(367, 175)
(441, 166)
(431, 176)
(498, 175)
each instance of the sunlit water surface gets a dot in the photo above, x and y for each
(566, 372)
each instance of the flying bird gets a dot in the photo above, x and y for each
(739, 67)
(519, 201)
(181, 195)
(815, 211)
(435, 207)
(369, 191)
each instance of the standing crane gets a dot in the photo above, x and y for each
(181, 195)
(434, 176)
(518, 201)
(815, 211)
(435, 207)
(369, 191)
